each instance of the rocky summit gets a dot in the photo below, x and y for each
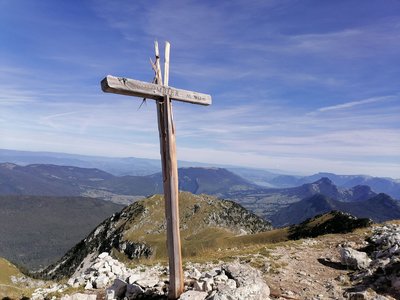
(378, 264)
(358, 265)
(138, 231)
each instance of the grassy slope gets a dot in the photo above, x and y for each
(199, 240)
(7, 288)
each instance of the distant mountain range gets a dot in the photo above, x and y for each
(378, 208)
(141, 166)
(267, 202)
(378, 184)
(115, 166)
(53, 180)
(50, 218)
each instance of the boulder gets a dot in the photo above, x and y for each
(147, 282)
(197, 286)
(250, 284)
(119, 287)
(88, 286)
(193, 295)
(101, 281)
(208, 284)
(193, 274)
(220, 278)
(132, 291)
(354, 259)
(231, 284)
(103, 255)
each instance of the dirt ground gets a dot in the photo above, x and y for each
(311, 269)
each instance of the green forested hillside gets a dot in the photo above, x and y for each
(36, 231)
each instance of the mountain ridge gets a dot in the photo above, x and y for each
(54, 180)
(378, 208)
(139, 230)
(266, 202)
(270, 178)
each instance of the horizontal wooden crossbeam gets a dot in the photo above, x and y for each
(131, 87)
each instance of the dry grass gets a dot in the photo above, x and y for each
(7, 287)
(200, 241)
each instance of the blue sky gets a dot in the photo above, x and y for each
(302, 86)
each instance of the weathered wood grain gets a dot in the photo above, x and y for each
(163, 94)
(170, 171)
(157, 63)
(132, 87)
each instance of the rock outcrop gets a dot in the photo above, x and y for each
(378, 266)
(233, 281)
(332, 222)
(127, 232)
(103, 239)
(354, 259)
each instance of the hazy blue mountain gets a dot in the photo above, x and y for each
(121, 166)
(116, 166)
(48, 180)
(141, 166)
(257, 176)
(214, 181)
(266, 202)
(378, 208)
(53, 180)
(378, 184)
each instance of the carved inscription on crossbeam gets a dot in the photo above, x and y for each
(131, 87)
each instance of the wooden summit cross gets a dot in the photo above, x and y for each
(163, 94)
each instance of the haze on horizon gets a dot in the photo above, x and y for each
(301, 86)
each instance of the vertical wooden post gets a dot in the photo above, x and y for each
(170, 182)
(125, 86)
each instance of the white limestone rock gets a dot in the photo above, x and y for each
(101, 281)
(116, 270)
(208, 284)
(354, 259)
(134, 277)
(193, 295)
(103, 255)
(250, 284)
(220, 278)
(147, 282)
(79, 296)
(88, 285)
(231, 284)
(193, 274)
(197, 286)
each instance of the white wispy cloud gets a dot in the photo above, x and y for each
(281, 86)
(11, 96)
(355, 103)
